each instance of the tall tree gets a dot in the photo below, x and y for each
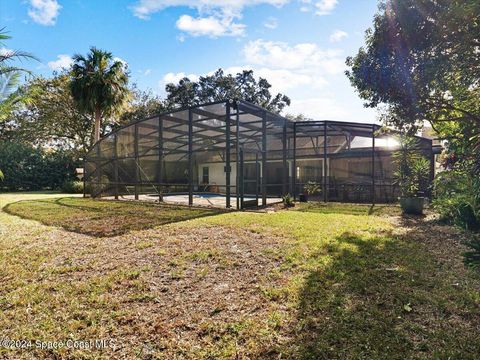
(99, 85)
(51, 118)
(221, 86)
(422, 60)
(142, 105)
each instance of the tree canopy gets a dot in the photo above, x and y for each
(421, 60)
(99, 85)
(220, 86)
(51, 117)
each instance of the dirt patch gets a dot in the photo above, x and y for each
(166, 291)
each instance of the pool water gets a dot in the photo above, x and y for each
(208, 196)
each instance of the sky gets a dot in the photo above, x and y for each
(299, 46)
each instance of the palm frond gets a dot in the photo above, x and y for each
(8, 83)
(5, 70)
(3, 35)
(15, 55)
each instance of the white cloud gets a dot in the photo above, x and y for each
(338, 35)
(271, 23)
(144, 8)
(300, 56)
(175, 78)
(325, 7)
(5, 52)
(124, 63)
(63, 62)
(215, 18)
(210, 26)
(44, 12)
(286, 67)
(281, 80)
(116, 58)
(318, 108)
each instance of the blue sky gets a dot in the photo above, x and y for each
(300, 45)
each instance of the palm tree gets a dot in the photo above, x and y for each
(7, 56)
(10, 75)
(98, 85)
(9, 78)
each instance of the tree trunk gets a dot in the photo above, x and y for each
(97, 124)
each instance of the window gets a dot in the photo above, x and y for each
(205, 179)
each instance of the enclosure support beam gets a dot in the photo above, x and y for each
(115, 163)
(98, 171)
(83, 178)
(242, 182)
(190, 158)
(373, 164)
(264, 158)
(325, 162)
(284, 159)
(227, 155)
(294, 172)
(160, 159)
(237, 147)
(432, 166)
(257, 175)
(137, 164)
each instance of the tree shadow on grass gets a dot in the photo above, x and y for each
(103, 218)
(381, 298)
(349, 209)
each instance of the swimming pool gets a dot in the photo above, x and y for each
(208, 195)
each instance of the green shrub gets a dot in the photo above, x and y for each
(311, 188)
(457, 198)
(27, 168)
(288, 200)
(72, 187)
(413, 169)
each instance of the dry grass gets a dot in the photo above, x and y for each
(313, 282)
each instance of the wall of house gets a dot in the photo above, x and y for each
(216, 176)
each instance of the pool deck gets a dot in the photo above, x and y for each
(210, 201)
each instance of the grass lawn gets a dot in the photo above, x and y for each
(314, 282)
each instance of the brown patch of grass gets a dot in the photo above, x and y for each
(288, 284)
(102, 218)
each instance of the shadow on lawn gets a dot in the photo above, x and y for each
(381, 298)
(349, 209)
(103, 218)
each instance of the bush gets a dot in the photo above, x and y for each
(288, 200)
(413, 169)
(458, 202)
(457, 198)
(311, 188)
(72, 187)
(27, 168)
